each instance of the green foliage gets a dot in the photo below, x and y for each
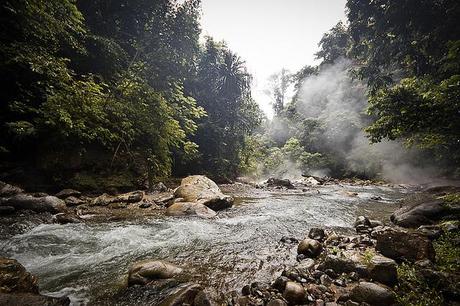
(413, 72)
(413, 290)
(127, 79)
(448, 252)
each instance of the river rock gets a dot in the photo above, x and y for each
(40, 204)
(130, 197)
(18, 287)
(7, 190)
(6, 210)
(317, 234)
(188, 208)
(416, 215)
(15, 278)
(402, 245)
(372, 294)
(159, 187)
(276, 182)
(277, 302)
(338, 264)
(65, 218)
(65, 193)
(187, 294)
(145, 271)
(74, 201)
(362, 224)
(294, 293)
(310, 247)
(202, 190)
(30, 299)
(383, 270)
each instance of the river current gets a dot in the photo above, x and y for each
(89, 262)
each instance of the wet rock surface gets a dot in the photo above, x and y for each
(402, 245)
(19, 287)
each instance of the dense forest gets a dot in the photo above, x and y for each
(101, 94)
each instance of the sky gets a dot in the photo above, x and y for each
(271, 34)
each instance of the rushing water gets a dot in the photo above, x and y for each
(89, 262)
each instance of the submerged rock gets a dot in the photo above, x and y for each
(30, 299)
(402, 245)
(188, 208)
(145, 271)
(187, 294)
(201, 190)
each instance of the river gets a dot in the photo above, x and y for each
(89, 262)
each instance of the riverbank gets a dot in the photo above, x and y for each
(242, 245)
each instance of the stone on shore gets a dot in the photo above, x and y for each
(373, 294)
(310, 248)
(402, 245)
(39, 204)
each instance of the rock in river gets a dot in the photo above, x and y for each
(19, 287)
(200, 189)
(145, 271)
(189, 208)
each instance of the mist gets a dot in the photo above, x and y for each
(338, 101)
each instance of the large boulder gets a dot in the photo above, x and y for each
(419, 214)
(38, 204)
(202, 190)
(188, 208)
(372, 294)
(402, 245)
(310, 248)
(146, 271)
